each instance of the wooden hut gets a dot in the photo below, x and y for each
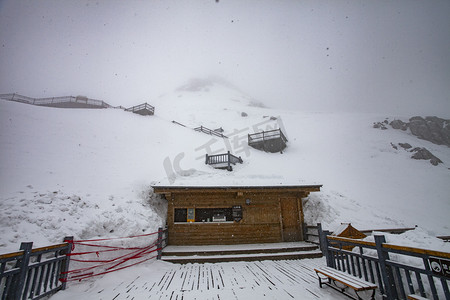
(348, 231)
(219, 215)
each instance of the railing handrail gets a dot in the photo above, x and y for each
(419, 251)
(34, 250)
(351, 241)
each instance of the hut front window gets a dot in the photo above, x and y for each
(180, 215)
(203, 215)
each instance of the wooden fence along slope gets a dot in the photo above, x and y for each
(65, 101)
(208, 131)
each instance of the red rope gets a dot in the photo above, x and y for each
(118, 238)
(109, 265)
(93, 275)
(114, 259)
(105, 246)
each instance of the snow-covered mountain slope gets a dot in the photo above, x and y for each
(88, 173)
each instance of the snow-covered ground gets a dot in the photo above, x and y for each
(88, 173)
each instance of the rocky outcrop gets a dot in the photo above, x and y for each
(419, 153)
(423, 153)
(398, 124)
(405, 145)
(433, 129)
(381, 125)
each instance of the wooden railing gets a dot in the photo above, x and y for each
(209, 131)
(224, 160)
(53, 100)
(17, 98)
(266, 135)
(142, 107)
(34, 273)
(398, 271)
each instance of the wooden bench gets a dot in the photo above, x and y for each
(416, 297)
(349, 281)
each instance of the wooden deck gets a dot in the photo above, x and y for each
(283, 279)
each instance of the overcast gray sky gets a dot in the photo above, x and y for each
(380, 56)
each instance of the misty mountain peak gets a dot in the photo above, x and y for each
(218, 86)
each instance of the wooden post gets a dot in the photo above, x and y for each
(159, 245)
(206, 160)
(386, 271)
(320, 233)
(65, 263)
(18, 280)
(229, 158)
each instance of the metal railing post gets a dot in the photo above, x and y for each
(324, 244)
(386, 271)
(19, 279)
(65, 263)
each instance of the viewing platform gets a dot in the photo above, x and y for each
(143, 109)
(268, 141)
(223, 161)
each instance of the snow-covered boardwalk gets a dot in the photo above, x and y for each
(284, 279)
(264, 279)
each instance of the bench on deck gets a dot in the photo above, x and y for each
(349, 281)
(416, 297)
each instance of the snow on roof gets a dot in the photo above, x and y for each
(340, 229)
(308, 188)
(237, 178)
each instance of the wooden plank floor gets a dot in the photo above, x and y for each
(284, 279)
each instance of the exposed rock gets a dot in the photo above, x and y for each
(423, 153)
(244, 114)
(399, 124)
(433, 129)
(379, 125)
(394, 146)
(435, 161)
(405, 145)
